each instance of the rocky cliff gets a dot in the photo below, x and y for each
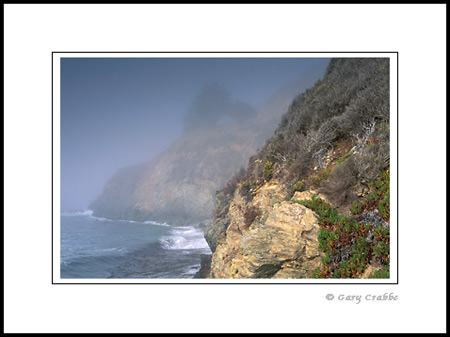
(179, 185)
(314, 201)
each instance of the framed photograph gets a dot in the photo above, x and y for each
(221, 168)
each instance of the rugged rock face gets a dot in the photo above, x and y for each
(179, 185)
(280, 242)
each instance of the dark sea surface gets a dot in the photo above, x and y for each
(100, 248)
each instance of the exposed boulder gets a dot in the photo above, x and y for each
(280, 243)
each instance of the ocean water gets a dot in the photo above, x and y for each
(100, 248)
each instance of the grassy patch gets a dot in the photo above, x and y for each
(344, 157)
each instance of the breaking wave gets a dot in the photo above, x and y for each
(185, 238)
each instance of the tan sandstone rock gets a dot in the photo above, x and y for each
(282, 243)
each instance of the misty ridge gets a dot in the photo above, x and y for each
(214, 105)
(220, 134)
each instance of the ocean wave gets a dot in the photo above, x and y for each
(156, 223)
(72, 255)
(78, 213)
(86, 213)
(89, 213)
(185, 238)
(192, 270)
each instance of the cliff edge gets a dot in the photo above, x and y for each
(314, 201)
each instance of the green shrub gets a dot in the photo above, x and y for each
(381, 273)
(327, 215)
(356, 208)
(381, 248)
(246, 191)
(339, 232)
(298, 187)
(268, 170)
(379, 198)
(321, 176)
(360, 255)
(327, 238)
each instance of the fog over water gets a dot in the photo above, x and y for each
(117, 112)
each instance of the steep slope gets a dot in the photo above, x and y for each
(179, 185)
(314, 202)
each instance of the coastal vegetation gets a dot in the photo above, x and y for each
(333, 143)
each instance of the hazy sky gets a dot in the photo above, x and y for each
(121, 111)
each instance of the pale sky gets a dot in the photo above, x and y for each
(121, 111)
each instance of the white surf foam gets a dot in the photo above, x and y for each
(86, 213)
(78, 213)
(185, 238)
(156, 223)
